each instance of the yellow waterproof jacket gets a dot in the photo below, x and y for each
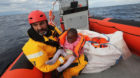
(76, 67)
(38, 52)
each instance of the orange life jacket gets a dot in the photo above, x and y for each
(79, 46)
(99, 42)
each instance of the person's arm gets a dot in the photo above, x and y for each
(49, 68)
(38, 59)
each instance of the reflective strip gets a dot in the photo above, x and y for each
(35, 55)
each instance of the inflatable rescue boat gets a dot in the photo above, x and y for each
(130, 29)
(75, 14)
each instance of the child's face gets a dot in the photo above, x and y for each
(71, 38)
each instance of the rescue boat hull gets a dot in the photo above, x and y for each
(22, 68)
(131, 30)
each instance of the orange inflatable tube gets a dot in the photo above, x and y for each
(131, 31)
(22, 68)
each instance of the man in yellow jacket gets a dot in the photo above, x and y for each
(43, 44)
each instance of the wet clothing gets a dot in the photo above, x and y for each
(80, 61)
(56, 56)
(40, 49)
(76, 47)
(71, 46)
(76, 67)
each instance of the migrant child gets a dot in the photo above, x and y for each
(72, 43)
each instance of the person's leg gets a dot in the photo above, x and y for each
(75, 70)
(55, 57)
(68, 63)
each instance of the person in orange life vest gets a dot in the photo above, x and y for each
(42, 43)
(71, 41)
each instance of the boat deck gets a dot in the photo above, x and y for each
(129, 68)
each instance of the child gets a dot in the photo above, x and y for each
(72, 44)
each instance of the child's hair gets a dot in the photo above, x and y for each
(73, 31)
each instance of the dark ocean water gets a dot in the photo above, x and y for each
(13, 29)
(125, 12)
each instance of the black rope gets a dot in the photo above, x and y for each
(116, 29)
